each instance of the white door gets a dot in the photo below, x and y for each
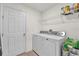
(13, 31)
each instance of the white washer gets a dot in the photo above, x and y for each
(47, 45)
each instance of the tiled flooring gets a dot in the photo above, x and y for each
(30, 53)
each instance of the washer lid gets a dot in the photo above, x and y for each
(55, 37)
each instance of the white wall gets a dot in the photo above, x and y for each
(32, 22)
(33, 25)
(52, 19)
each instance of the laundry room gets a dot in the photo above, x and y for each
(39, 29)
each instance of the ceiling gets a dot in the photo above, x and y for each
(40, 6)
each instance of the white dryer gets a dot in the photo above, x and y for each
(47, 45)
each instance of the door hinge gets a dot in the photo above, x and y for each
(2, 34)
(2, 17)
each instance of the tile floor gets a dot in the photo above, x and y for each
(30, 53)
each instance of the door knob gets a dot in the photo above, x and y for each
(46, 39)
